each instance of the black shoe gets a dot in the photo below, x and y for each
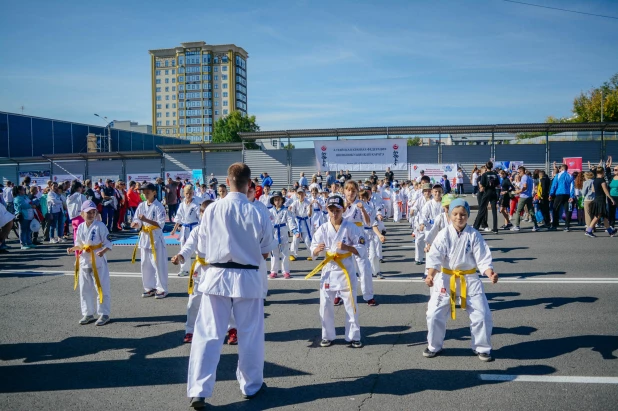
(356, 344)
(483, 357)
(429, 354)
(198, 403)
(495, 232)
(419, 263)
(552, 228)
(381, 261)
(326, 343)
(248, 397)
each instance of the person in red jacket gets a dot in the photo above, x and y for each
(133, 197)
(123, 206)
(258, 189)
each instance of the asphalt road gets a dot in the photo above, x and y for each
(553, 310)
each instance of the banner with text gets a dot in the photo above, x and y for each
(361, 155)
(574, 163)
(434, 172)
(184, 175)
(102, 178)
(37, 178)
(141, 177)
(198, 176)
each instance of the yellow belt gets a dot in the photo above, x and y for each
(454, 275)
(337, 259)
(359, 224)
(89, 249)
(149, 229)
(198, 260)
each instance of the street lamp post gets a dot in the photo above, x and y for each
(109, 131)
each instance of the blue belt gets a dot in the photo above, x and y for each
(316, 209)
(306, 225)
(191, 226)
(278, 227)
(368, 228)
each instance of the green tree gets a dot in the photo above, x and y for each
(289, 146)
(226, 129)
(416, 141)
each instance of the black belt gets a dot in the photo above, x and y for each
(235, 265)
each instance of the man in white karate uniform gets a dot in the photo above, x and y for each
(238, 238)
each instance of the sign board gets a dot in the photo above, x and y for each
(574, 163)
(102, 178)
(58, 178)
(37, 178)
(182, 174)
(141, 177)
(198, 176)
(434, 172)
(361, 155)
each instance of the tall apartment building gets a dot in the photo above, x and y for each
(194, 85)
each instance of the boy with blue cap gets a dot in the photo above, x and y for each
(452, 262)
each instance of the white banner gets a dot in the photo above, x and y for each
(182, 174)
(361, 155)
(58, 178)
(141, 177)
(434, 172)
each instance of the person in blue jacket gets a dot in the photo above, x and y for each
(562, 193)
(266, 180)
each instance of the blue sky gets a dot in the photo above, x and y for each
(315, 63)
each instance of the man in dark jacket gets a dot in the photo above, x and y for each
(489, 183)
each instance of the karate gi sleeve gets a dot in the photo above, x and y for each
(482, 253)
(291, 221)
(190, 246)
(160, 216)
(434, 230)
(318, 238)
(267, 239)
(105, 238)
(180, 214)
(359, 241)
(78, 236)
(437, 253)
(138, 211)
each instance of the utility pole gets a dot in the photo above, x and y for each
(22, 109)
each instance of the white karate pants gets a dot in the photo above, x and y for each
(210, 331)
(304, 234)
(396, 212)
(438, 313)
(364, 274)
(388, 208)
(327, 314)
(193, 305)
(280, 259)
(88, 293)
(375, 253)
(184, 236)
(154, 273)
(419, 246)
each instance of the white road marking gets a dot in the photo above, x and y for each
(301, 277)
(549, 378)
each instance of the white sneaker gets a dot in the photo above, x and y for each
(183, 273)
(53, 241)
(515, 228)
(486, 229)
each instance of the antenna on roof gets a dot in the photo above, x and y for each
(22, 108)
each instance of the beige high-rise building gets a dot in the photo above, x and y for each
(194, 85)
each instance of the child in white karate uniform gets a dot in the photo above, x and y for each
(397, 204)
(456, 254)
(341, 240)
(187, 219)
(150, 218)
(374, 239)
(302, 210)
(193, 245)
(283, 221)
(92, 241)
(419, 228)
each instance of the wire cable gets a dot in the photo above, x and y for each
(559, 9)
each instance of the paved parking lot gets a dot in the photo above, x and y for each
(555, 337)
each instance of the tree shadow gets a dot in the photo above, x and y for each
(550, 302)
(533, 274)
(514, 260)
(605, 345)
(508, 249)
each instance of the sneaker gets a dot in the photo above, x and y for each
(381, 261)
(380, 276)
(590, 234)
(337, 301)
(86, 319)
(272, 275)
(483, 356)
(515, 228)
(419, 263)
(326, 343)
(292, 258)
(160, 295)
(611, 232)
(486, 229)
(150, 293)
(232, 336)
(287, 276)
(188, 338)
(372, 302)
(183, 273)
(104, 319)
(429, 354)
(53, 241)
(508, 226)
(309, 259)
(198, 403)
(251, 396)
(62, 240)
(503, 227)
(495, 232)
(25, 247)
(356, 344)
(567, 230)
(535, 229)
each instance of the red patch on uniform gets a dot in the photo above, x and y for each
(326, 286)
(443, 290)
